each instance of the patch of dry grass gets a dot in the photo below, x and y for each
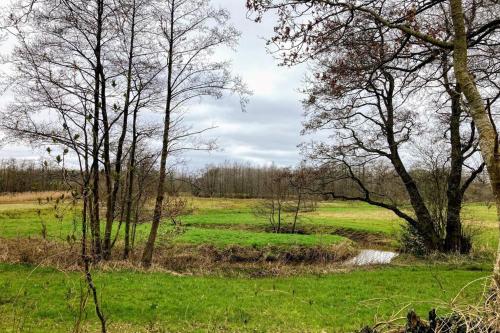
(28, 197)
(186, 259)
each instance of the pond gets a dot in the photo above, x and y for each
(372, 257)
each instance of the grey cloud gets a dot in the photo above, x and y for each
(269, 131)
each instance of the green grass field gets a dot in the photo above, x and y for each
(19, 223)
(339, 302)
(355, 216)
(46, 300)
(222, 238)
(21, 220)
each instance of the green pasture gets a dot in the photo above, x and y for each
(46, 300)
(232, 221)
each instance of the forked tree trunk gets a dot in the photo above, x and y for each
(119, 152)
(488, 138)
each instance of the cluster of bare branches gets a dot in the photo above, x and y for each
(287, 196)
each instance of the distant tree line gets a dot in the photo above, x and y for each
(26, 176)
(233, 180)
(236, 180)
(243, 180)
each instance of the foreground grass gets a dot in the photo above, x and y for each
(45, 300)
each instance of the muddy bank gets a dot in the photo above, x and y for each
(189, 259)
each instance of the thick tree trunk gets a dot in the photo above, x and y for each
(488, 138)
(425, 223)
(454, 234)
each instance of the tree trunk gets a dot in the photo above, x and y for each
(147, 256)
(107, 171)
(453, 240)
(488, 138)
(119, 152)
(95, 221)
(279, 217)
(130, 187)
(297, 210)
(425, 223)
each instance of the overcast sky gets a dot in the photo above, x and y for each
(269, 130)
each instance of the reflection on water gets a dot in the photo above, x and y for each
(372, 257)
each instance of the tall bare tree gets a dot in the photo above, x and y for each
(138, 81)
(190, 32)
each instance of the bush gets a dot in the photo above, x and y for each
(412, 242)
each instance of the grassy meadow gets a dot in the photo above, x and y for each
(341, 302)
(42, 298)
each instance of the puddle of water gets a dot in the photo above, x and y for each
(372, 257)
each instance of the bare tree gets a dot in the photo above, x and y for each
(287, 196)
(190, 32)
(426, 29)
(277, 206)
